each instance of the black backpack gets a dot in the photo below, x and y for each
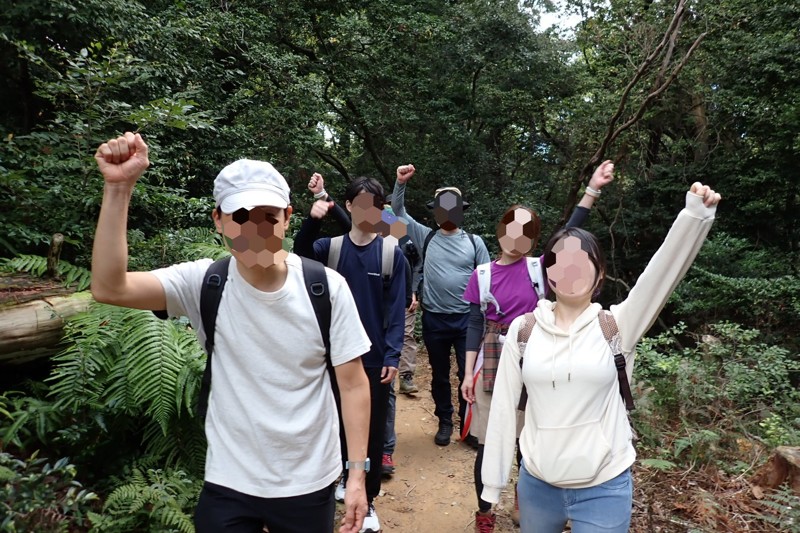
(316, 282)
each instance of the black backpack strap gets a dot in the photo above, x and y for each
(316, 281)
(611, 332)
(474, 250)
(428, 238)
(210, 296)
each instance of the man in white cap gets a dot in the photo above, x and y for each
(271, 424)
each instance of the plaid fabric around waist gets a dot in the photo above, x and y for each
(492, 348)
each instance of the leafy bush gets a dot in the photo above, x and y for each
(735, 281)
(38, 496)
(729, 381)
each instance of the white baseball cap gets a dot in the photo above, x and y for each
(247, 183)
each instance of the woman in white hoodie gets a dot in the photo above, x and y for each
(576, 441)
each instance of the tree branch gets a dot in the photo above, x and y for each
(613, 131)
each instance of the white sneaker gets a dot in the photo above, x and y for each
(371, 523)
(339, 493)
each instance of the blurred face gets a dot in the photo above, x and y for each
(573, 273)
(392, 228)
(366, 211)
(517, 235)
(448, 210)
(255, 236)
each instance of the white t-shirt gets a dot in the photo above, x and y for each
(272, 424)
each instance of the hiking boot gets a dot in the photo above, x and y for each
(339, 492)
(515, 512)
(484, 522)
(371, 523)
(442, 437)
(387, 465)
(407, 384)
(471, 441)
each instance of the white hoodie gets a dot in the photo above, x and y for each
(576, 431)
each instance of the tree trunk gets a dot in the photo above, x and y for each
(783, 467)
(32, 329)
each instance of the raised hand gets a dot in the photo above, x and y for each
(710, 198)
(123, 160)
(603, 175)
(320, 208)
(316, 184)
(405, 172)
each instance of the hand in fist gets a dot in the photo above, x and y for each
(405, 172)
(316, 184)
(123, 160)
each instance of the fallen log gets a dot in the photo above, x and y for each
(32, 315)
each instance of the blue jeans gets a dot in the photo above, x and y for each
(544, 508)
(389, 436)
(441, 333)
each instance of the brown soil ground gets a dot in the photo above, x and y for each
(432, 490)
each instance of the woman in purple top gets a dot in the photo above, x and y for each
(511, 293)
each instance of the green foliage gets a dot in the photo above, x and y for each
(151, 500)
(30, 420)
(658, 464)
(782, 510)
(728, 387)
(734, 280)
(125, 362)
(698, 445)
(38, 496)
(124, 387)
(33, 264)
(173, 246)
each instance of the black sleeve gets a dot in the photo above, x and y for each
(578, 218)
(474, 328)
(341, 215)
(304, 240)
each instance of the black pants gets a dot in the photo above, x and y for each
(483, 505)
(224, 510)
(441, 332)
(379, 404)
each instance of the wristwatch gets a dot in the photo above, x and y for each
(357, 465)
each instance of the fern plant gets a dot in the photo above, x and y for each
(125, 372)
(36, 265)
(151, 500)
(782, 510)
(128, 360)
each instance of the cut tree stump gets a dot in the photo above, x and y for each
(783, 467)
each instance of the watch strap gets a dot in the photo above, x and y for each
(358, 465)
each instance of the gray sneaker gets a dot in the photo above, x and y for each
(407, 384)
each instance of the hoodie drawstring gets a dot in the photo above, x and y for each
(553, 363)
